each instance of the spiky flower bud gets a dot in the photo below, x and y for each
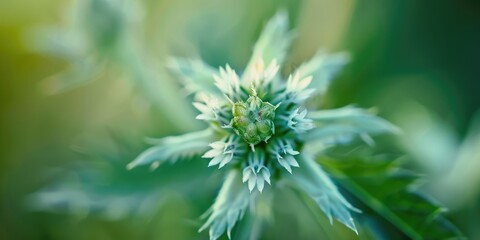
(253, 120)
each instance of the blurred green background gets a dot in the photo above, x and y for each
(417, 62)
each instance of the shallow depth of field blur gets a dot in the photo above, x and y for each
(417, 62)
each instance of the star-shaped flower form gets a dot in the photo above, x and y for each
(260, 130)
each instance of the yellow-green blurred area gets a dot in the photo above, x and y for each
(417, 62)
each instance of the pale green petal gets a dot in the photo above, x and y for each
(174, 148)
(311, 178)
(273, 42)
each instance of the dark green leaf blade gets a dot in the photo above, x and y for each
(385, 188)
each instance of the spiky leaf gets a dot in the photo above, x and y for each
(196, 75)
(174, 148)
(99, 185)
(323, 67)
(344, 124)
(229, 207)
(386, 189)
(272, 44)
(311, 178)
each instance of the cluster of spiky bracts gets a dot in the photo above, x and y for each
(260, 118)
(259, 130)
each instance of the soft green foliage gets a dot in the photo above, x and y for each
(229, 207)
(272, 44)
(343, 124)
(100, 32)
(387, 189)
(323, 67)
(81, 197)
(106, 22)
(173, 148)
(195, 75)
(101, 186)
(448, 160)
(100, 36)
(260, 133)
(259, 127)
(318, 185)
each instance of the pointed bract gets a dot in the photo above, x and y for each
(299, 122)
(222, 152)
(315, 182)
(209, 107)
(228, 82)
(282, 152)
(256, 173)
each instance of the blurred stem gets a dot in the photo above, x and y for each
(257, 225)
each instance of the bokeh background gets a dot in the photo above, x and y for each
(417, 62)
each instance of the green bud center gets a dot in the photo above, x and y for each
(253, 119)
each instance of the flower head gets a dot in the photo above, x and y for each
(253, 120)
(261, 128)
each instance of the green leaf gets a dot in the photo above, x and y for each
(99, 186)
(56, 42)
(272, 44)
(229, 207)
(96, 191)
(173, 148)
(323, 68)
(196, 75)
(340, 126)
(311, 178)
(73, 195)
(386, 189)
(81, 72)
